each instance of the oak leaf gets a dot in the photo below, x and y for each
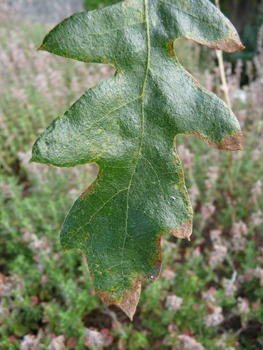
(128, 126)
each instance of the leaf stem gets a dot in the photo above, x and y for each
(219, 54)
(5, 166)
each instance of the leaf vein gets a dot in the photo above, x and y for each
(191, 15)
(87, 223)
(99, 34)
(186, 101)
(142, 134)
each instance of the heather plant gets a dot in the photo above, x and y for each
(209, 294)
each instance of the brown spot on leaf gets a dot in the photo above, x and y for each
(89, 189)
(130, 298)
(231, 44)
(184, 231)
(170, 47)
(158, 258)
(229, 143)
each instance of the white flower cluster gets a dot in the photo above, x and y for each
(230, 287)
(193, 194)
(174, 303)
(215, 319)
(57, 343)
(186, 156)
(95, 338)
(31, 342)
(243, 309)
(212, 176)
(256, 189)
(207, 211)
(220, 250)
(257, 272)
(208, 296)
(189, 343)
(238, 241)
(256, 218)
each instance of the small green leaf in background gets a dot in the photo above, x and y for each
(96, 4)
(128, 126)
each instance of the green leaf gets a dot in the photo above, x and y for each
(128, 126)
(20, 330)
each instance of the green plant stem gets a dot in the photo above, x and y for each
(219, 54)
(5, 166)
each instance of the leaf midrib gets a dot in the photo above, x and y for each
(142, 134)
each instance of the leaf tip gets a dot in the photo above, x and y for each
(130, 297)
(229, 142)
(184, 231)
(129, 301)
(233, 43)
(230, 44)
(233, 142)
(33, 159)
(42, 47)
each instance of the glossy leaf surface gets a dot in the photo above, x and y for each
(128, 126)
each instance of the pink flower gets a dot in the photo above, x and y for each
(12, 338)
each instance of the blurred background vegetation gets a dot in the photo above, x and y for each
(209, 295)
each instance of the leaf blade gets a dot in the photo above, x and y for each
(128, 126)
